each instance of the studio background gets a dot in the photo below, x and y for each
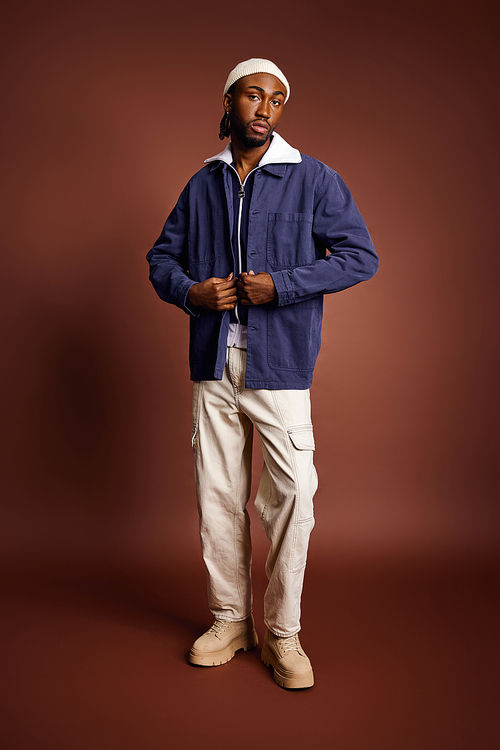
(108, 109)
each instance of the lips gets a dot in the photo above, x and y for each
(260, 126)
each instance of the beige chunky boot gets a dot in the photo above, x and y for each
(220, 643)
(292, 668)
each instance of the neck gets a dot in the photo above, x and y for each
(245, 159)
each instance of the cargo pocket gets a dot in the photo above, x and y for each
(302, 439)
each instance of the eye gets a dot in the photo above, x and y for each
(276, 102)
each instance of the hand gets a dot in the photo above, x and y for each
(255, 289)
(214, 293)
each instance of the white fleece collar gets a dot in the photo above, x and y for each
(279, 152)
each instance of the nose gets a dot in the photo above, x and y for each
(264, 109)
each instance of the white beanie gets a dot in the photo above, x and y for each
(256, 65)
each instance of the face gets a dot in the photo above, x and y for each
(255, 108)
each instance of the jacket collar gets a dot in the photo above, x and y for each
(279, 152)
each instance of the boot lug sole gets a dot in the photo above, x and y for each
(291, 683)
(217, 658)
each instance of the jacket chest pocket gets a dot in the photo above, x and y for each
(206, 237)
(290, 240)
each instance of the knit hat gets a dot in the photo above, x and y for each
(256, 65)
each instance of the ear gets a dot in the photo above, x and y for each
(227, 102)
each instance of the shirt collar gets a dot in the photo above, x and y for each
(279, 152)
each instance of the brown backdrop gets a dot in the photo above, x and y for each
(108, 109)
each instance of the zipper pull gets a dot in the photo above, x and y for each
(241, 193)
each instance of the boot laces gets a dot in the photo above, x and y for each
(291, 643)
(219, 627)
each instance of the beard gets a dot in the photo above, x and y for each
(249, 141)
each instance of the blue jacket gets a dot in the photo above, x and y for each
(303, 228)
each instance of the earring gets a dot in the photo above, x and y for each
(224, 126)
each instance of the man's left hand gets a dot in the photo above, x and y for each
(255, 289)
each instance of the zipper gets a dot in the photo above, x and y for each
(241, 196)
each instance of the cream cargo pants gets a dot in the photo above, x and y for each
(224, 413)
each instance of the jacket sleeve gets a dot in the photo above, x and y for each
(339, 227)
(168, 259)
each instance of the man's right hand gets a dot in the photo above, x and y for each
(214, 293)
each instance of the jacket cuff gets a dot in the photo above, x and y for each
(185, 303)
(284, 289)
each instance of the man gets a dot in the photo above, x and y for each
(257, 237)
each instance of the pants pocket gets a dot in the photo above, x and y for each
(302, 439)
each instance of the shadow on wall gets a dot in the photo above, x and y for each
(83, 415)
(81, 397)
(71, 420)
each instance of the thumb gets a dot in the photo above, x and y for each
(228, 278)
(251, 273)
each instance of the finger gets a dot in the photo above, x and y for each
(224, 299)
(229, 291)
(223, 285)
(228, 278)
(251, 273)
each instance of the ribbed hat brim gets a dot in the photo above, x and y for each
(256, 65)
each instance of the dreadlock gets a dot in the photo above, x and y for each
(224, 126)
(224, 131)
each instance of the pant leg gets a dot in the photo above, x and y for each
(284, 500)
(222, 444)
